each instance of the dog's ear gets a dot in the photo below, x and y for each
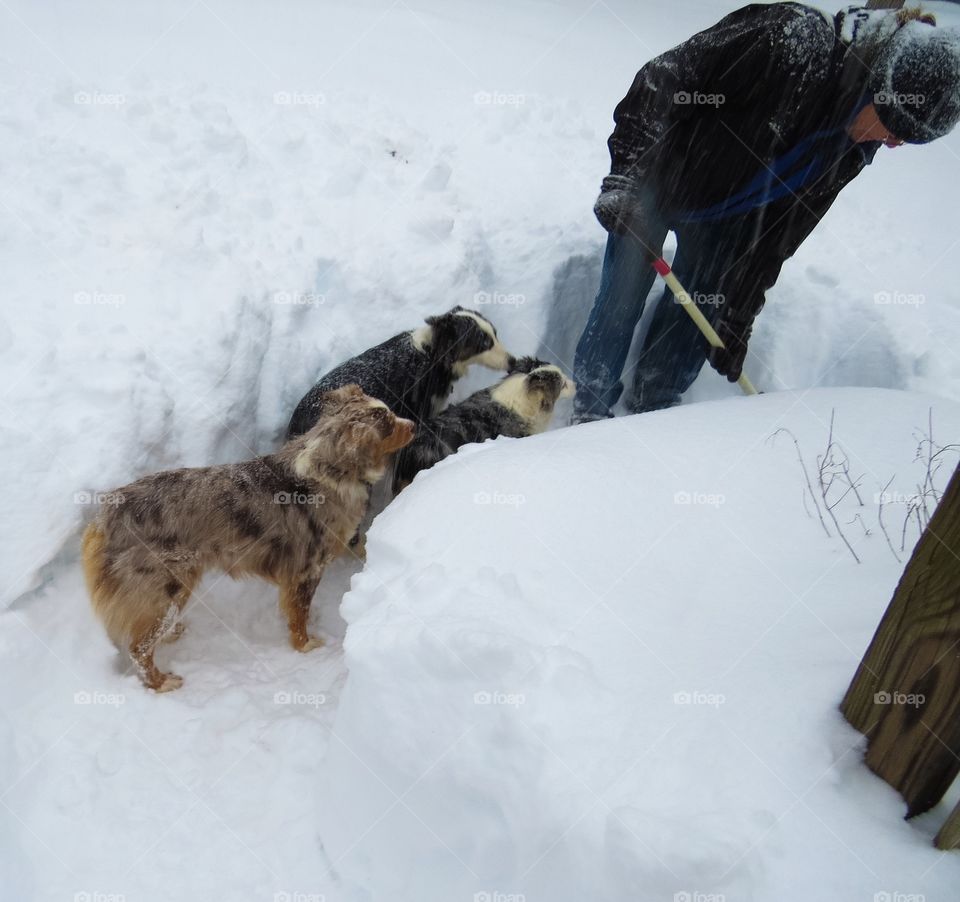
(366, 438)
(354, 440)
(337, 397)
(332, 403)
(371, 423)
(444, 331)
(434, 320)
(383, 420)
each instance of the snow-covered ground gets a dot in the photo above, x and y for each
(205, 205)
(564, 685)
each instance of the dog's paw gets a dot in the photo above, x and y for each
(169, 682)
(311, 643)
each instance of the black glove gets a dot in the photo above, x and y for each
(621, 210)
(728, 360)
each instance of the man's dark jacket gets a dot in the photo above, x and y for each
(705, 118)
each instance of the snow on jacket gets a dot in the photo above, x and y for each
(712, 117)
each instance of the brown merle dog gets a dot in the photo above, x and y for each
(282, 517)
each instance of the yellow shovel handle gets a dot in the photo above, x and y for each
(673, 283)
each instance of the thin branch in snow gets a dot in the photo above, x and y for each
(827, 477)
(932, 456)
(858, 519)
(853, 483)
(883, 528)
(806, 475)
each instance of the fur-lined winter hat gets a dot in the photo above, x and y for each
(916, 82)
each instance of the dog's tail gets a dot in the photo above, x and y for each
(97, 576)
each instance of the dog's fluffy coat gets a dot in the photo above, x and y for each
(517, 406)
(414, 372)
(282, 517)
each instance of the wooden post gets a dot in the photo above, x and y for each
(905, 696)
(949, 835)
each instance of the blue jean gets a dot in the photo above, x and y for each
(673, 349)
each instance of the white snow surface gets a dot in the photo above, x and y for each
(205, 206)
(606, 662)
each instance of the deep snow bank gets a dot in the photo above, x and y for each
(206, 205)
(605, 662)
(219, 253)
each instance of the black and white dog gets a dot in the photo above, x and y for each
(517, 406)
(412, 373)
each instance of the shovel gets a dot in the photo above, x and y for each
(709, 333)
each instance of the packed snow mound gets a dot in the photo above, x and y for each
(605, 663)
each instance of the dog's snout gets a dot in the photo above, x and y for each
(403, 432)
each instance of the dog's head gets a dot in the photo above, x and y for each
(355, 434)
(548, 383)
(532, 395)
(463, 337)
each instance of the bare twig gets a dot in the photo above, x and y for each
(853, 483)
(932, 456)
(835, 484)
(826, 483)
(883, 528)
(858, 519)
(806, 475)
